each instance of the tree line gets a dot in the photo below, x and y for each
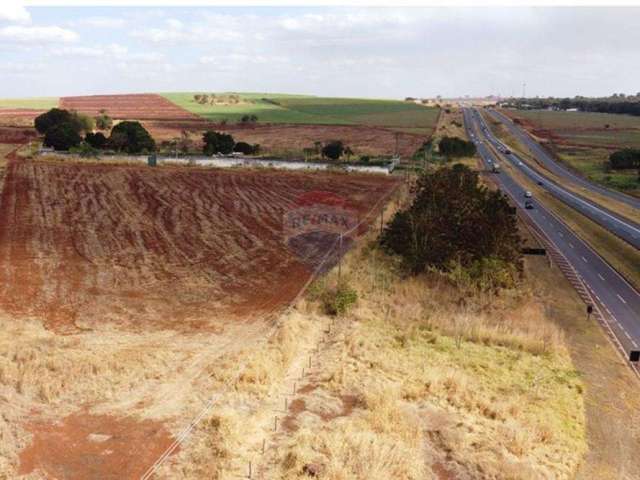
(617, 104)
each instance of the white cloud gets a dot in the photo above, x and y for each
(101, 22)
(29, 34)
(13, 11)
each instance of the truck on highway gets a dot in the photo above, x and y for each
(495, 168)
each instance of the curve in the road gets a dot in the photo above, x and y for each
(618, 301)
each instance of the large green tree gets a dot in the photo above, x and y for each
(62, 136)
(453, 220)
(53, 117)
(131, 137)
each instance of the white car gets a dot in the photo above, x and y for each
(528, 194)
(519, 164)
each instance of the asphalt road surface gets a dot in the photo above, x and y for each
(557, 168)
(624, 228)
(613, 298)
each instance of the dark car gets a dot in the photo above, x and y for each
(507, 151)
(528, 205)
(540, 183)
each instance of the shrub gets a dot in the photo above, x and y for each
(625, 159)
(96, 140)
(245, 148)
(131, 137)
(103, 121)
(456, 147)
(334, 150)
(85, 150)
(216, 142)
(339, 300)
(62, 136)
(453, 219)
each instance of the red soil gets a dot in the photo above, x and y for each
(142, 106)
(171, 247)
(86, 447)
(285, 137)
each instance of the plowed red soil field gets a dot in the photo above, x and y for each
(363, 139)
(83, 245)
(142, 106)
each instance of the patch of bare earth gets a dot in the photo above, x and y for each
(93, 447)
(284, 138)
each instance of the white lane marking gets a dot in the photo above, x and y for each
(601, 277)
(621, 299)
(585, 260)
(571, 245)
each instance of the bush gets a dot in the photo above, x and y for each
(245, 148)
(85, 150)
(333, 150)
(96, 140)
(453, 219)
(456, 147)
(131, 137)
(625, 159)
(216, 142)
(339, 300)
(103, 121)
(62, 136)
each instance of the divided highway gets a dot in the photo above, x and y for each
(617, 302)
(557, 168)
(620, 226)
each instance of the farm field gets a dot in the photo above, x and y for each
(276, 108)
(289, 140)
(584, 141)
(34, 103)
(84, 245)
(132, 107)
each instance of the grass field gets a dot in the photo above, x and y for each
(280, 108)
(34, 102)
(584, 141)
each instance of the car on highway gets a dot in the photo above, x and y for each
(507, 151)
(519, 163)
(527, 194)
(540, 183)
(528, 204)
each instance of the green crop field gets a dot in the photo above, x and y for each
(584, 141)
(280, 108)
(40, 103)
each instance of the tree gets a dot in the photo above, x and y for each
(55, 116)
(103, 121)
(454, 220)
(625, 159)
(216, 142)
(453, 147)
(131, 137)
(83, 123)
(333, 150)
(96, 140)
(244, 147)
(62, 136)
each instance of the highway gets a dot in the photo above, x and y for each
(616, 303)
(557, 168)
(624, 228)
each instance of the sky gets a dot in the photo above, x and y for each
(329, 51)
